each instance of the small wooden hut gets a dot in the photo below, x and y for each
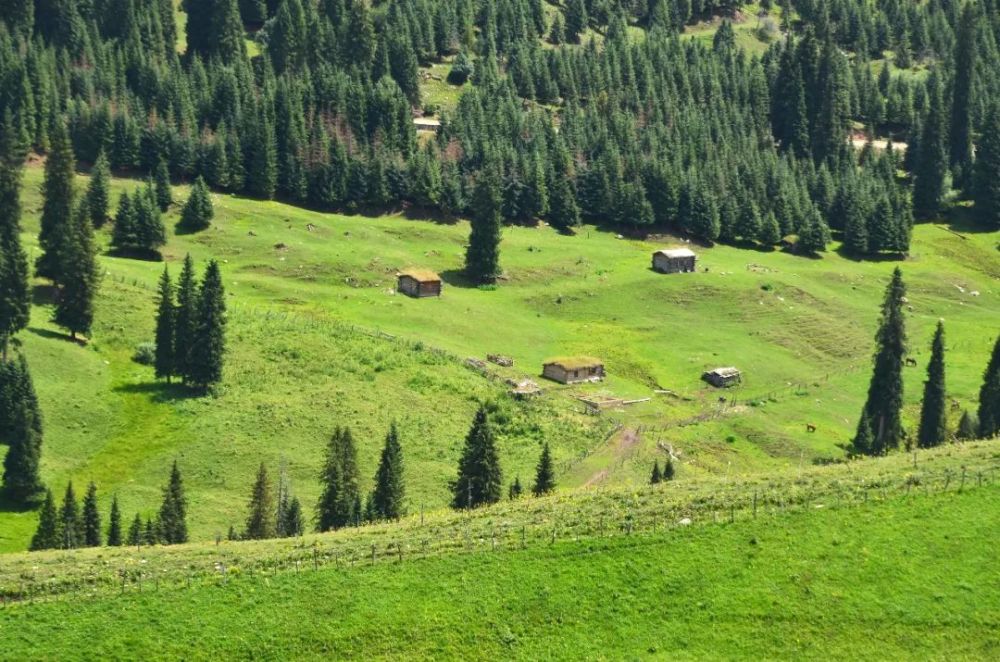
(674, 260)
(574, 370)
(419, 283)
(723, 377)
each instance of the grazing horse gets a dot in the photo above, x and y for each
(911, 362)
(810, 427)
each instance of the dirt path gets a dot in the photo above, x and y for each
(627, 440)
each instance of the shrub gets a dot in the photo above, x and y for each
(145, 353)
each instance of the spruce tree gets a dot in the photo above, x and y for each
(881, 413)
(390, 490)
(58, 206)
(161, 184)
(173, 511)
(261, 522)
(482, 257)
(166, 313)
(151, 533)
(48, 535)
(656, 476)
(70, 522)
(115, 524)
(668, 470)
(23, 434)
(932, 164)
(968, 426)
(516, 490)
(186, 319)
(15, 301)
(198, 211)
(989, 396)
(99, 191)
(961, 96)
(79, 276)
(545, 478)
(91, 518)
(933, 420)
(480, 479)
(294, 524)
(337, 506)
(986, 179)
(576, 20)
(209, 342)
(134, 538)
(125, 234)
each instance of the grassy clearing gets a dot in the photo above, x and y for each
(306, 291)
(831, 583)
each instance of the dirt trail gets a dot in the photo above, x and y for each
(627, 439)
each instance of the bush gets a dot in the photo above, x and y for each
(461, 70)
(768, 30)
(145, 353)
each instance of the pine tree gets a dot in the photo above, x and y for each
(91, 518)
(482, 258)
(23, 434)
(933, 420)
(770, 231)
(989, 396)
(516, 490)
(125, 233)
(173, 511)
(932, 159)
(79, 276)
(99, 191)
(198, 211)
(885, 393)
(186, 320)
(135, 532)
(576, 20)
(294, 524)
(48, 534)
(151, 533)
(209, 342)
(656, 476)
(961, 96)
(261, 521)
(968, 426)
(986, 181)
(115, 524)
(390, 490)
(480, 478)
(668, 470)
(15, 301)
(166, 313)
(338, 502)
(545, 479)
(58, 207)
(161, 179)
(70, 522)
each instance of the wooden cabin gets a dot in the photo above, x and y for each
(723, 377)
(574, 370)
(419, 283)
(674, 260)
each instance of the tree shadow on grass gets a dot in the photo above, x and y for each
(8, 505)
(49, 334)
(847, 254)
(161, 392)
(458, 278)
(144, 254)
(43, 295)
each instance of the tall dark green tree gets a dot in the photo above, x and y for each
(668, 470)
(22, 432)
(115, 524)
(480, 479)
(173, 510)
(209, 342)
(656, 477)
(79, 276)
(989, 396)
(968, 426)
(961, 96)
(198, 211)
(932, 158)
(166, 314)
(161, 184)
(933, 418)
(882, 411)
(339, 501)
(482, 258)
(57, 207)
(15, 302)
(261, 522)
(70, 522)
(545, 477)
(576, 20)
(986, 179)
(390, 488)
(99, 191)
(48, 534)
(91, 518)
(134, 538)
(186, 319)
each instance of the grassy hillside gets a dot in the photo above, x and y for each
(832, 583)
(307, 291)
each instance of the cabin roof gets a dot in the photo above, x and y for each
(420, 275)
(575, 362)
(674, 253)
(725, 372)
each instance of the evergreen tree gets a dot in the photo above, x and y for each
(931, 166)
(135, 532)
(989, 396)
(57, 208)
(986, 182)
(173, 511)
(576, 20)
(961, 96)
(656, 476)
(770, 231)
(91, 518)
(516, 490)
(125, 233)
(198, 211)
(480, 478)
(186, 319)
(209, 342)
(968, 426)
(99, 191)
(390, 490)
(166, 313)
(293, 524)
(15, 301)
(545, 479)
(48, 534)
(882, 409)
(23, 434)
(115, 524)
(261, 521)
(337, 503)
(161, 183)
(79, 276)
(482, 258)
(668, 470)
(151, 533)
(933, 420)
(70, 522)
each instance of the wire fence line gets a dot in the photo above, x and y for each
(470, 535)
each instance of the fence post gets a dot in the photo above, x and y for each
(755, 504)
(962, 485)
(315, 559)
(373, 554)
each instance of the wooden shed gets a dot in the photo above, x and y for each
(674, 260)
(419, 283)
(574, 370)
(723, 377)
